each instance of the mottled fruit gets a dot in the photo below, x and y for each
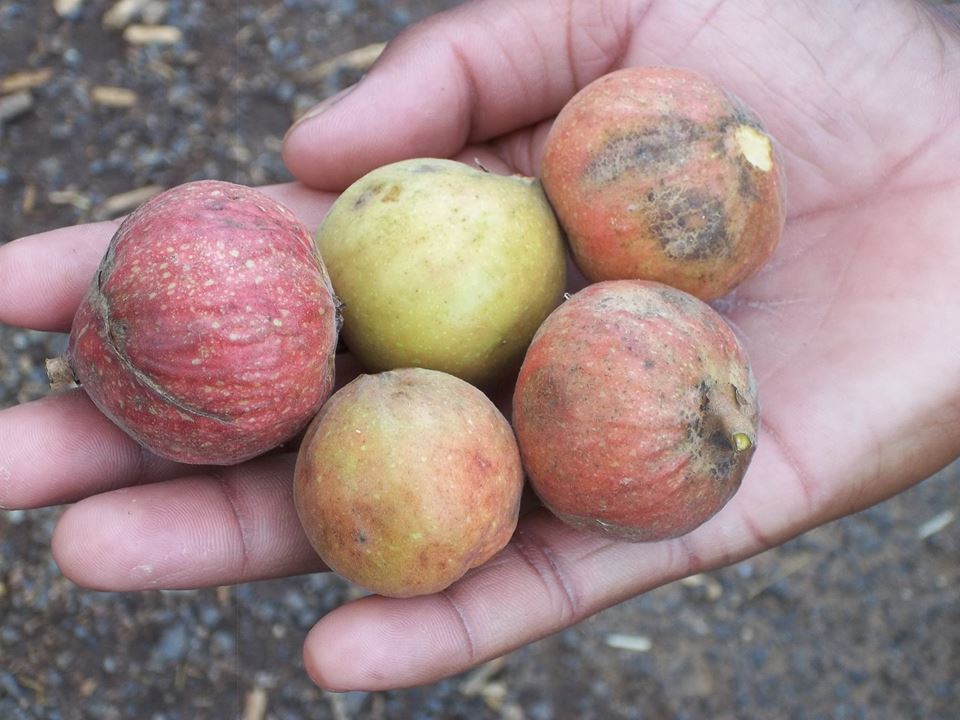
(406, 480)
(444, 266)
(208, 333)
(658, 173)
(636, 411)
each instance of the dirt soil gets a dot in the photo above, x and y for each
(858, 619)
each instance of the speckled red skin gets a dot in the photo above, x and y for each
(645, 173)
(208, 333)
(407, 479)
(616, 411)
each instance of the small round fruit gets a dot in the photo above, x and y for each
(406, 480)
(208, 333)
(444, 266)
(659, 174)
(636, 411)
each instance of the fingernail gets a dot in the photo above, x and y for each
(322, 107)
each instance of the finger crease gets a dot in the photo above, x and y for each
(464, 625)
(540, 559)
(229, 493)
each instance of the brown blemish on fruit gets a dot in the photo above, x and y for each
(690, 224)
(365, 196)
(481, 462)
(392, 195)
(746, 187)
(667, 142)
(549, 393)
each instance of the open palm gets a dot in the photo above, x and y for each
(853, 327)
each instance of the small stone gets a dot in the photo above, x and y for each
(122, 13)
(172, 645)
(223, 643)
(88, 687)
(936, 524)
(14, 105)
(68, 8)
(10, 686)
(155, 12)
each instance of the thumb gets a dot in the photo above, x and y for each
(465, 75)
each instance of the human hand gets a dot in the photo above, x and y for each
(851, 328)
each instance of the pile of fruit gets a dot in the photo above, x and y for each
(210, 330)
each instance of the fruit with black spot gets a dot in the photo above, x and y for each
(636, 411)
(658, 173)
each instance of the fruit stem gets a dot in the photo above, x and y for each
(60, 373)
(729, 415)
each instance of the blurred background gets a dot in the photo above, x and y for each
(103, 103)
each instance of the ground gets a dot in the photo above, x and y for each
(858, 619)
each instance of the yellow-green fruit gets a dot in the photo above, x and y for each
(443, 266)
(407, 479)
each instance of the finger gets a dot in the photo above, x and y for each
(221, 527)
(43, 276)
(467, 75)
(62, 448)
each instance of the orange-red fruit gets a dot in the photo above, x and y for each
(406, 480)
(636, 411)
(208, 333)
(657, 173)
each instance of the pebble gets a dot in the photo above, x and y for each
(68, 8)
(122, 13)
(14, 105)
(10, 686)
(223, 642)
(172, 646)
(72, 57)
(11, 11)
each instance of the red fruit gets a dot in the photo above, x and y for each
(208, 333)
(635, 411)
(659, 174)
